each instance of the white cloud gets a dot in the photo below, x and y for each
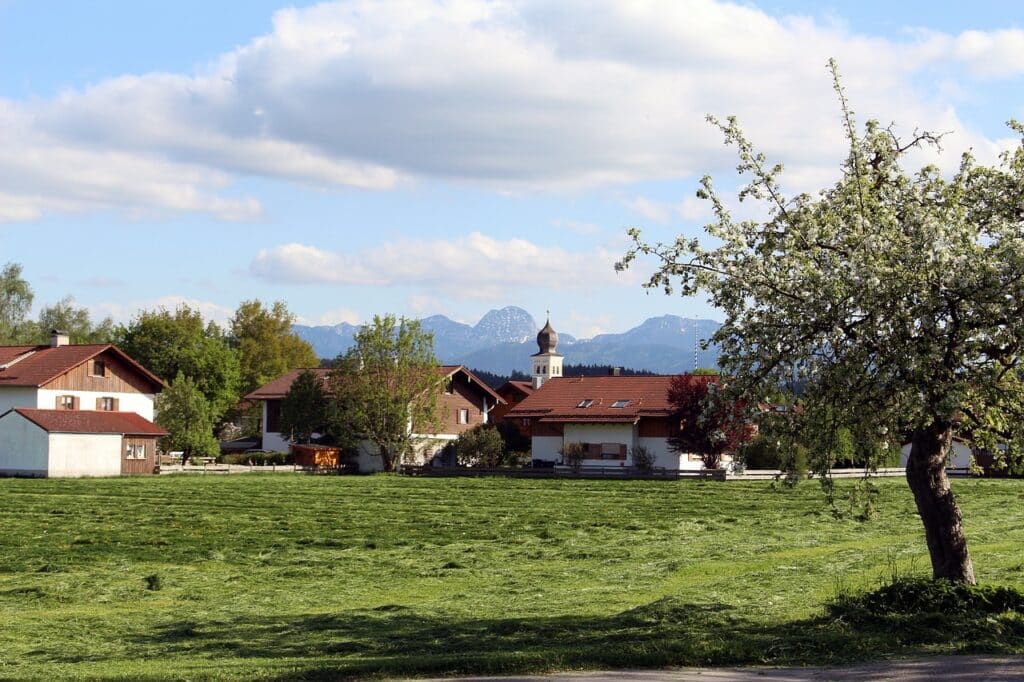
(517, 96)
(331, 318)
(471, 267)
(124, 312)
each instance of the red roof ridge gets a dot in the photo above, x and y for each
(90, 421)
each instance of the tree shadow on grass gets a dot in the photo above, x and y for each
(394, 640)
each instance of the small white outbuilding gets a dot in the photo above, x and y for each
(73, 443)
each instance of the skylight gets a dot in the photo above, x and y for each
(586, 402)
(620, 403)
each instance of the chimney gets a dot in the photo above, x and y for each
(614, 371)
(538, 381)
(59, 338)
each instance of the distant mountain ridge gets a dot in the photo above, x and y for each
(504, 339)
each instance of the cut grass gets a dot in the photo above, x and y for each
(310, 577)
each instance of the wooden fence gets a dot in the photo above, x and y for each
(587, 472)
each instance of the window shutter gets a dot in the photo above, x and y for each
(57, 399)
(622, 451)
(74, 403)
(117, 404)
(99, 403)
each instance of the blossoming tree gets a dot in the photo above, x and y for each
(895, 299)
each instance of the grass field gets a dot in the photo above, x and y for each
(307, 577)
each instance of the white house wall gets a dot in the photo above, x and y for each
(547, 448)
(664, 457)
(624, 434)
(140, 403)
(74, 454)
(959, 455)
(18, 396)
(22, 447)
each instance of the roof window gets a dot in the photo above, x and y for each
(620, 403)
(586, 402)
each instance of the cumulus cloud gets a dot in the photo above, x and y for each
(124, 312)
(472, 267)
(517, 96)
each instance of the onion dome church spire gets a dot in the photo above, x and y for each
(547, 364)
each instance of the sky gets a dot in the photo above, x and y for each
(442, 157)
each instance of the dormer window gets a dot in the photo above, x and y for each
(586, 402)
(620, 403)
(99, 368)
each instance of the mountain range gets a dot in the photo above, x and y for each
(504, 339)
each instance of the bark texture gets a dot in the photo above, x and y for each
(940, 514)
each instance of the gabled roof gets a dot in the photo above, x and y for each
(524, 388)
(451, 370)
(90, 421)
(560, 400)
(277, 388)
(36, 366)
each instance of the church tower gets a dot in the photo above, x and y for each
(547, 364)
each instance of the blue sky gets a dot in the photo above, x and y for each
(355, 158)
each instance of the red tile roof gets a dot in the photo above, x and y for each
(89, 421)
(277, 388)
(558, 399)
(38, 365)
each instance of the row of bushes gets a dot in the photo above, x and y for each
(257, 458)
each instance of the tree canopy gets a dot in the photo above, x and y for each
(267, 347)
(896, 299)
(187, 416)
(384, 388)
(15, 304)
(303, 408)
(172, 343)
(712, 424)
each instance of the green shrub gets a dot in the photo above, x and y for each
(761, 453)
(643, 459)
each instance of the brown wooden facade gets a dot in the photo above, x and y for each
(460, 394)
(118, 377)
(131, 448)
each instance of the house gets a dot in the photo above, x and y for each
(93, 395)
(961, 454)
(609, 415)
(513, 393)
(51, 443)
(464, 400)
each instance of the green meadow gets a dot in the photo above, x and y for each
(290, 577)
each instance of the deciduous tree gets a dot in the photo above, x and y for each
(385, 388)
(896, 298)
(184, 412)
(266, 345)
(712, 424)
(172, 343)
(15, 304)
(303, 408)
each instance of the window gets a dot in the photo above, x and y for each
(620, 403)
(106, 404)
(99, 368)
(135, 451)
(448, 386)
(463, 415)
(586, 402)
(66, 402)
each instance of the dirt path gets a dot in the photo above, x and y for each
(946, 668)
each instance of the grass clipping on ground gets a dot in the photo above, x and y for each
(326, 577)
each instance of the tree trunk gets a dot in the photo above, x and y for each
(385, 457)
(940, 514)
